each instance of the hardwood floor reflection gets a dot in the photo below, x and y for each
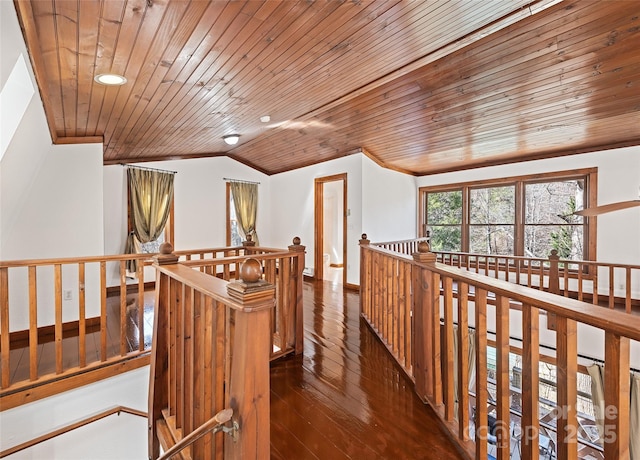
(345, 397)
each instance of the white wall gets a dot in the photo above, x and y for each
(121, 437)
(42, 212)
(292, 211)
(388, 203)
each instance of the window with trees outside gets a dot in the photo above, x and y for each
(524, 216)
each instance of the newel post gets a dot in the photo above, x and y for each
(158, 375)
(426, 329)
(365, 277)
(249, 379)
(298, 268)
(248, 245)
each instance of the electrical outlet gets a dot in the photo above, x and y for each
(67, 294)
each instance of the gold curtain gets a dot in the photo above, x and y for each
(245, 200)
(150, 196)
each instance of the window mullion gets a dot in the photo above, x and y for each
(518, 245)
(466, 197)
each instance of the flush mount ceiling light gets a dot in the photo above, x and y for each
(110, 79)
(231, 139)
(265, 119)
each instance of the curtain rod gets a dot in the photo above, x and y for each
(238, 180)
(149, 169)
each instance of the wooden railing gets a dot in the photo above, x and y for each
(90, 319)
(283, 269)
(599, 283)
(64, 309)
(211, 349)
(409, 303)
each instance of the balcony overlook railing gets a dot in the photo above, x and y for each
(67, 322)
(600, 283)
(425, 311)
(210, 355)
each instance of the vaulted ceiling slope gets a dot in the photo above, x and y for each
(419, 86)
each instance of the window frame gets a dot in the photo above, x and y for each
(589, 175)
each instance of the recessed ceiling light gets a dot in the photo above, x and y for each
(265, 119)
(110, 79)
(231, 139)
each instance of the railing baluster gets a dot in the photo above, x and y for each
(82, 317)
(482, 393)
(567, 386)
(103, 311)
(141, 325)
(57, 270)
(123, 308)
(199, 347)
(188, 386)
(408, 320)
(612, 296)
(530, 423)
(33, 323)
(463, 361)
(627, 301)
(616, 396)
(434, 310)
(502, 377)
(179, 319)
(400, 330)
(4, 327)
(447, 354)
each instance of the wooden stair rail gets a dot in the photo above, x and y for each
(386, 302)
(79, 424)
(211, 347)
(213, 424)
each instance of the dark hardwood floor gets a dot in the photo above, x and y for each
(345, 397)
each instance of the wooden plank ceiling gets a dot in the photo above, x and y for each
(419, 86)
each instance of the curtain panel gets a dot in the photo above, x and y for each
(596, 371)
(150, 197)
(245, 200)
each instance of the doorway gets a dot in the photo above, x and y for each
(330, 254)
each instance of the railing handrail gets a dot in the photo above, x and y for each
(74, 260)
(231, 259)
(410, 240)
(540, 259)
(214, 422)
(71, 427)
(618, 322)
(210, 286)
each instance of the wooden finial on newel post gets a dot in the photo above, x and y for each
(364, 239)
(296, 246)
(249, 241)
(424, 253)
(166, 255)
(250, 286)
